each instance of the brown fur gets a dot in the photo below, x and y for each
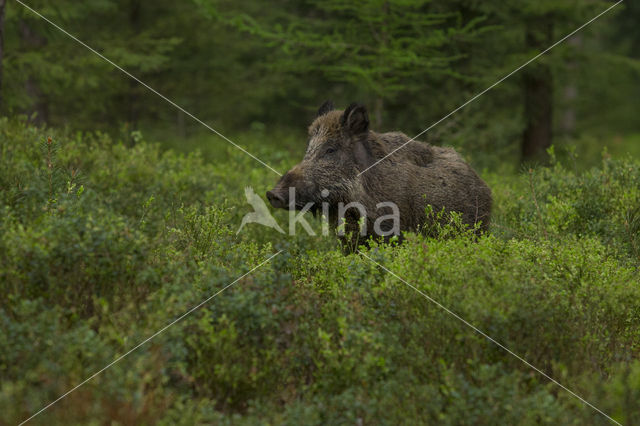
(413, 177)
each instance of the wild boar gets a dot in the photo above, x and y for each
(339, 170)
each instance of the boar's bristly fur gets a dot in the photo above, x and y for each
(341, 145)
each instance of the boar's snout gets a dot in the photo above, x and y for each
(278, 199)
(279, 196)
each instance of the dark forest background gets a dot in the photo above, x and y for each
(263, 68)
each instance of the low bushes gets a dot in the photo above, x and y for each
(104, 244)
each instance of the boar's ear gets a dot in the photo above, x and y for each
(355, 119)
(325, 108)
(363, 155)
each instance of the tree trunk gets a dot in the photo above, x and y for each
(182, 129)
(378, 111)
(570, 92)
(31, 42)
(383, 39)
(538, 93)
(135, 9)
(2, 5)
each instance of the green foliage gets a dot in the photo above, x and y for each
(559, 202)
(247, 66)
(381, 49)
(103, 244)
(106, 238)
(48, 75)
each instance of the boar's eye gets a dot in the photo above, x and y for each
(330, 151)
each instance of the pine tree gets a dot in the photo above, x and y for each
(381, 48)
(53, 76)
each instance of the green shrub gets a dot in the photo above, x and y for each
(104, 244)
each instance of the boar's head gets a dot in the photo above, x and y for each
(337, 150)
